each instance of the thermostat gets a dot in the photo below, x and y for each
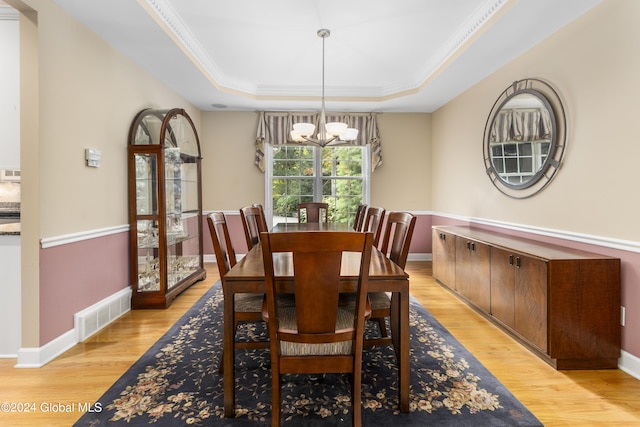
(92, 157)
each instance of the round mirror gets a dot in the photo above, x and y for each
(524, 138)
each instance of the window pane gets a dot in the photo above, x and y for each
(525, 149)
(337, 179)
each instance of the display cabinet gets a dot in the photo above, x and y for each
(165, 207)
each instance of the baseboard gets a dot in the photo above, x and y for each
(8, 356)
(420, 257)
(629, 364)
(37, 357)
(86, 323)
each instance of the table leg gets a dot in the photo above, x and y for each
(401, 344)
(228, 355)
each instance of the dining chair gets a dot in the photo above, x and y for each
(312, 333)
(263, 218)
(253, 223)
(358, 220)
(395, 244)
(373, 223)
(313, 212)
(247, 307)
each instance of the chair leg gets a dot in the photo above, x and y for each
(356, 404)
(221, 367)
(276, 386)
(383, 327)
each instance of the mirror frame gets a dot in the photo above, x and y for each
(551, 100)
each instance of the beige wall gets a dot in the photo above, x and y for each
(89, 94)
(231, 180)
(403, 182)
(76, 92)
(594, 64)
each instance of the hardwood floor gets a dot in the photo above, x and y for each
(55, 394)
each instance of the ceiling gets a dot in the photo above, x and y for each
(382, 55)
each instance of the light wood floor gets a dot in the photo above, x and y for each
(558, 398)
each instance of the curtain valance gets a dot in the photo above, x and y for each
(274, 128)
(521, 125)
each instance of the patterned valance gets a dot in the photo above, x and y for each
(521, 125)
(274, 128)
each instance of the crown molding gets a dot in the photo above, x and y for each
(7, 13)
(162, 12)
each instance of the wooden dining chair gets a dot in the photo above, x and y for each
(263, 218)
(247, 307)
(373, 223)
(253, 223)
(395, 244)
(358, 220)
(313, 212)
(312, 333)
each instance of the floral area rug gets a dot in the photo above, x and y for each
(176, 382)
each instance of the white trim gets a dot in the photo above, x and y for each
(629, 364)
(49, 242)
(226, 213)
(608, 242)
(7, 13)
(36, 357)
(419, 257)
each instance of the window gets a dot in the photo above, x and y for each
(517, 162)
(336, 175)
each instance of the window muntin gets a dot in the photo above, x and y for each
(337, 175)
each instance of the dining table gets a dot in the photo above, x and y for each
(247, 276)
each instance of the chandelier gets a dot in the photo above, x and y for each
(328, 132)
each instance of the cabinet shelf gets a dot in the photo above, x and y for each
(165, 207)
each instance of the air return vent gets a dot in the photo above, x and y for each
(90, 320)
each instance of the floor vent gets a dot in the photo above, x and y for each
(90, 320)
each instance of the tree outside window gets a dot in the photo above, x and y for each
(336, 175)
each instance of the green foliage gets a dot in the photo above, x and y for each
(293, 177)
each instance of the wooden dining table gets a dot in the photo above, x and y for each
(384, 276)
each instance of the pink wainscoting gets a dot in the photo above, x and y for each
(421, 241)
(236, 232)
(75, 276)
(629, 272)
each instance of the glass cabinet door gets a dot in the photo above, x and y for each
(146, 183)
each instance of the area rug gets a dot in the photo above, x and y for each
(176, 382)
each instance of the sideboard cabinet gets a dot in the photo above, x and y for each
(561, 303)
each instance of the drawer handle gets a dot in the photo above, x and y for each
(517, 262)
(473, 246)
(510, 259)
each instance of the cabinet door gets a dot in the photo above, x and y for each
(444, 257)
(480, 290)
(531, 300)
(473, 272)
(463, 266)
(503, 286)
